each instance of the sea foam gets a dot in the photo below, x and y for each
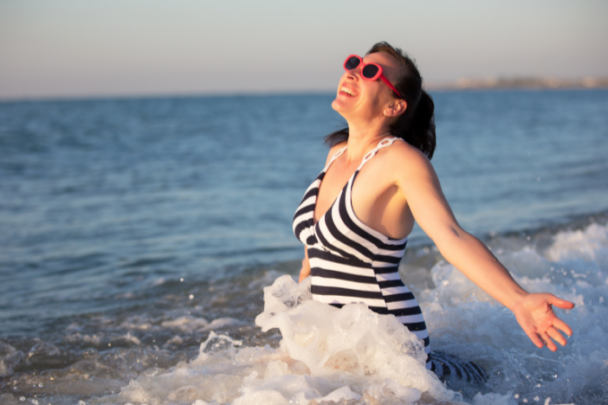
(325, 355)
(321, 355)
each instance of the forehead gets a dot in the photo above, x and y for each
(390, 65)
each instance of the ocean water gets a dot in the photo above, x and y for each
(146, 254)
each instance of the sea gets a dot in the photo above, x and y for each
(147, 256)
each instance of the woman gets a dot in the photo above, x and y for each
(355, 231)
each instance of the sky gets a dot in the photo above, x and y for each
(75, 48)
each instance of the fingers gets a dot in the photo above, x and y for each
(535, 339)
(540, 323)
(555, 335)
(561, 325)
(550, 345)
(560, 303)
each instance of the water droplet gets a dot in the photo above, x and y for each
(191, 296)
(22, 399)
(516, 396)
(109, 344)
(181, 280)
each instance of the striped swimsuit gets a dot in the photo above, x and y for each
(351, 262)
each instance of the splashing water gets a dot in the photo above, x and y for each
(354, 356)
(325, 355)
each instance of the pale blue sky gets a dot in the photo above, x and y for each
(138, 47)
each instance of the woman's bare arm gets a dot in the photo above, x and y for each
(421, 189)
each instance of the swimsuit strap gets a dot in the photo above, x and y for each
(334, 157)
(382, 144)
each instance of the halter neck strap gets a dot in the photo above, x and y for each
(382, 144)
(334, 157)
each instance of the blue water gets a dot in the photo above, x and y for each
(107, 204)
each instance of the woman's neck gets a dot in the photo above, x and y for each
(362, 139)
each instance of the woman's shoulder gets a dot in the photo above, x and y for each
(406, 166)
(403, 163)
(402, 155)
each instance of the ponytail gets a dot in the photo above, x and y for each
(418, 126)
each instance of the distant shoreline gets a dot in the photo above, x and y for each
(500, 83)
(521, 83)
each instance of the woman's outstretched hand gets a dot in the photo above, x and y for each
(536, 317)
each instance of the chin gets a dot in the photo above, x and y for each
(338, 105)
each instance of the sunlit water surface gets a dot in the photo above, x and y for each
(130, 230)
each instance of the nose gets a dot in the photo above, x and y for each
(353, 74)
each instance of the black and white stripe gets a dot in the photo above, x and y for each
(351, 262)
(448, 367)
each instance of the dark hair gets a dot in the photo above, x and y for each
(417, 124)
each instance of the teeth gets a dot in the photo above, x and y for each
(347, 91)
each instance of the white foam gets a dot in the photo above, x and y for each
(465, 321)
(589, 245)
(325, 355)
(353, 355)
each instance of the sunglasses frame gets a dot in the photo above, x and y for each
(378, 75)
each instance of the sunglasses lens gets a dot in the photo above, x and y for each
(370, 71)
(351, 63)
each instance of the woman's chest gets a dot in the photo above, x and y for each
(368, 190)
(329, 190)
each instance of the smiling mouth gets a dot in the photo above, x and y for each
(347, 91)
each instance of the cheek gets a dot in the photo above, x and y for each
(372, 96)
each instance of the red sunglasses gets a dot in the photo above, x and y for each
(369, 71)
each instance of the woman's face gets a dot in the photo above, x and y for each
(366, 99)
